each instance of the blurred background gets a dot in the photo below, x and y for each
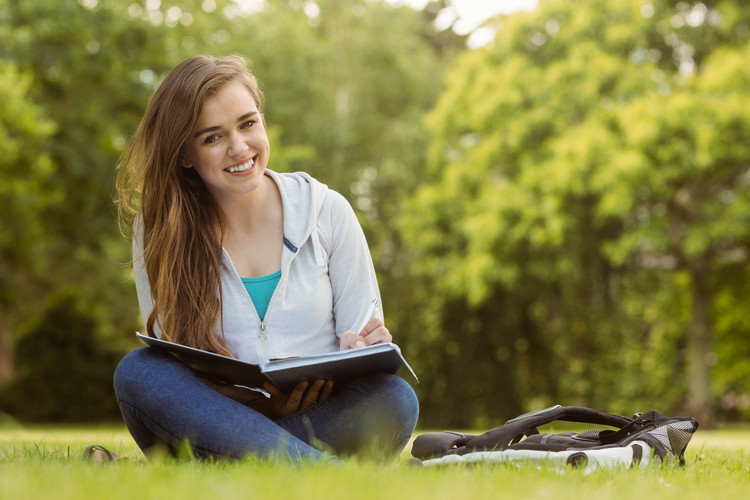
(557, 197)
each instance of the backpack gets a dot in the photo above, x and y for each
(635, 442)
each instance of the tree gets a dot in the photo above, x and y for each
(566, 160)
(85, 63)
(25, 192)
(62, 341)
(82, 65)
(693, 156)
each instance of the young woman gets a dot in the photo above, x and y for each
(237, 259)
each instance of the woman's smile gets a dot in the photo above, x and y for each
(242, 167)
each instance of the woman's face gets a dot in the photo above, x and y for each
(228, 146)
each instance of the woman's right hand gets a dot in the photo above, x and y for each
(304, 395)
(374, 332)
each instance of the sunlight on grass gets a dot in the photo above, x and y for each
(45, 462)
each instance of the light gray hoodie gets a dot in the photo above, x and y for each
(327, 279)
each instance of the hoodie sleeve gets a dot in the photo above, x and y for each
(142, 285)
(350, 265)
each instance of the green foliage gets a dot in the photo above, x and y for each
(86, 64)
(732, 355)
(83, 64)
(64, 367)
(592, 166)
(27, 188)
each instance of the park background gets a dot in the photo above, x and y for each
(560, 215)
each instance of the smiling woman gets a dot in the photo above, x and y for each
(234, 258)
(229, 152)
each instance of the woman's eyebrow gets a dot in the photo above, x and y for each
(208, 129)
(246, 116)
(219, 127)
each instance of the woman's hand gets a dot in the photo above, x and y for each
(304, 395)
(374, 332)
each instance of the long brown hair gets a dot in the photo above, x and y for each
(181, 223)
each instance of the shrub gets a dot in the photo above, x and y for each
(63, 367)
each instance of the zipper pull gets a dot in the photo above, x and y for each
(263, 337)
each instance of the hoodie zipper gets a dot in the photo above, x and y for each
(263, 332)
(263, 338)
(263, 335)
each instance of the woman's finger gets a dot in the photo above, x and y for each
(311, 396)
(326, 391)
(378, 336)
(295, 398)
(350, 340)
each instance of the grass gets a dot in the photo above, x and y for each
(44, 462)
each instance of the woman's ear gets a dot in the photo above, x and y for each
(184, 162)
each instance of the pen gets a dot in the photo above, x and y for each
(370, 313)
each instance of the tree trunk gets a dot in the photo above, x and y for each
(6, 361)
(699, 346)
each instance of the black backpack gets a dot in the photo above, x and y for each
(634, 442)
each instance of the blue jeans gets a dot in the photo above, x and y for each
(163, 402)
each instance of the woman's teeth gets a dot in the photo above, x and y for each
(241, 168)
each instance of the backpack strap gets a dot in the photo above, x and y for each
(435, 444)
(501, 437)
(438, 444)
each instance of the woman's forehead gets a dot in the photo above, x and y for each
(230, 102)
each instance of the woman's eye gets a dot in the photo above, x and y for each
(247, 124)
(210, 139)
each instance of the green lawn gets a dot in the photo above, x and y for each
(45, 463)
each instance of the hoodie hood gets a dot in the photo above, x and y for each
(300, 194)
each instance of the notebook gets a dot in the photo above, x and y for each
(285, 373)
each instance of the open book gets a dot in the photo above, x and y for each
(285, 373)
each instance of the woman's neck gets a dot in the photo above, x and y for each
(251, 210)
(254, 230)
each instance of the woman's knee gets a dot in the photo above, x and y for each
(398, 396)
(138, 367)
(406, 398)
(128, 366)
(397, 414)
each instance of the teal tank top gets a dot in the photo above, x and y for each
(261, 290)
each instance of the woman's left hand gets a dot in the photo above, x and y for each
(304, 395)
(374, 332)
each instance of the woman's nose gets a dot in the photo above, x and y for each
(237, 145)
